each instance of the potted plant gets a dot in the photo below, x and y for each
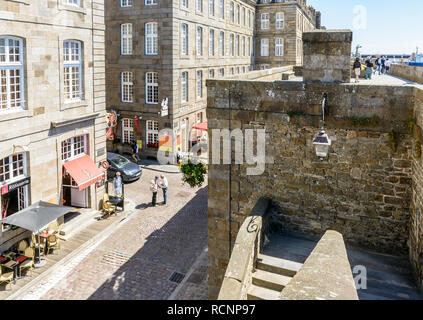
(193, 173)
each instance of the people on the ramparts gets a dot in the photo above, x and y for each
(357, 69)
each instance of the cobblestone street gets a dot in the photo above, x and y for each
(138, 259)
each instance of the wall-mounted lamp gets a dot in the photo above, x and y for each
(322, 142)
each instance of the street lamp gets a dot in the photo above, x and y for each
(322, 142)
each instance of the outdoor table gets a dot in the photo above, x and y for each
(19, 259)
(45, 234)
(13, 266)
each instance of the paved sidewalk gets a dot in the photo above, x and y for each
(146, 255)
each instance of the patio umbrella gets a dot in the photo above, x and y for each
(37, 216)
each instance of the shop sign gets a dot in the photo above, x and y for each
(165, 107)
(13, 186)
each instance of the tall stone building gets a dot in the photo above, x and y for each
(279, 30)
(164, 50)
(52, 105)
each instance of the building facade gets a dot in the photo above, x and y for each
(164, 50)
(52, 105)
(278, 32)
(158, 50)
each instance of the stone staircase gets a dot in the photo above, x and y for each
(270, 277)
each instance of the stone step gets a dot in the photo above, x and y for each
(270, 280)
(260, 293)
(277, 265)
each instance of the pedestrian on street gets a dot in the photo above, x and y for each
(178, 155)
(135, 150)
(357, 69)
(117, 185)
(163, 185)
(153, 188)
(369, 68)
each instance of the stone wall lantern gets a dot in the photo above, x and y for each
(322, 142)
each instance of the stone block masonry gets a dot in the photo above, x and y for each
(327, 55)
(362, 190)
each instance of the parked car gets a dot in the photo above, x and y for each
(129, 171)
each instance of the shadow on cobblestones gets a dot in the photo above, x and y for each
(172, 248)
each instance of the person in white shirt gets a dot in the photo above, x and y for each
(163, 185)
(154, 189)
(387, 65)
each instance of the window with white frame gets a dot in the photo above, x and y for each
(279, 47)
(231, 12)
(243, 46)
(150, 2)
(211, 42)
(237, 46)
(127, 86)
(72, 62)
(199, 4)
(152, 132)
(152, 87)
(211, 73)
(280, 18)
(199, 41)
(184, 87)
(231, 71)
(243, 16)
(264, 19)
(11, 74)
(222, 9)
(74, 147)
(211, 8)
(184, 39)
(199, 84)
(74, 2)
(249, 18)
(231, 45)
(12, 167)
(127, 130)
(184, 3)
(237, 13)
(264, 47)
(249, 46)
(126, 3)
(126, 38)
(222, 43)
(151, 38)
(221, 72)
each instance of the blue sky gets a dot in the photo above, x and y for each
(391, 26)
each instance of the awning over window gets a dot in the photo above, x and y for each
(201, 126)
(84, 171)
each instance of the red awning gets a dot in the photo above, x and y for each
(84, 171)
(201, 126)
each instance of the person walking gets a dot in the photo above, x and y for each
(357, 69)
(379, 65)
(178, 155)
(117, 185)
(387, 65)
(369, 68)
(383, 65)
(153, 188)
(135, 150)
(164, 185)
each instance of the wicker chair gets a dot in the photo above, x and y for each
(22, 245)
(28, 264)
(35, 244)
(53, 242)
(6, 277)
(108, 208)
(53, 227)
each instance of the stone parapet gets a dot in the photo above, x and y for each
(407, 72)
(247, 246)
(325, 275)
(327, 55)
